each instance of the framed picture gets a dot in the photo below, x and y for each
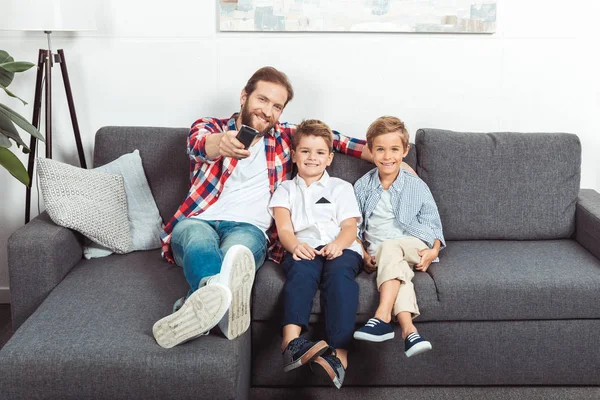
(435, 16)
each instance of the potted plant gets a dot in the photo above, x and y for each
(9, 118)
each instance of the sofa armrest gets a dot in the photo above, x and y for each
(587, 217)
(40, 254)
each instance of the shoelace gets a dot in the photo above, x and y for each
(331, 357)
(296, 344)
(372, 322)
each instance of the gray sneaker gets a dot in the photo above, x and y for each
(196, 317)
(301, 351)
(237, 273)
(330, 368)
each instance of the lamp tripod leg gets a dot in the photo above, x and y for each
(35, 121)
(65, 74)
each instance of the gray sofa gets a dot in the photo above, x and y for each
(512, 308)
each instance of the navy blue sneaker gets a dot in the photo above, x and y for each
(330, 368)
(414, 344)
(301, 351)
(375, 330)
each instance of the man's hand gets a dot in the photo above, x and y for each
(331, 251)
(427, 256)
(303, 251)
(369, 264)
(231, 147)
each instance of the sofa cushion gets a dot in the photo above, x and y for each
(502, 185)
(516, 280)
(145, 223)
(92, 338)
(91, 202)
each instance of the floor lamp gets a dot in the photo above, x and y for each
(49, 16)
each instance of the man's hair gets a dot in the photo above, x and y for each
(313, 127)
(270, 74)
(386, 124)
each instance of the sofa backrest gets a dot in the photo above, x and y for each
(516, 186)
(164, 157)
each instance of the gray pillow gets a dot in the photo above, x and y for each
(145, 222)
(91, 202)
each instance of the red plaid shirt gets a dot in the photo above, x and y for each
(208, 176)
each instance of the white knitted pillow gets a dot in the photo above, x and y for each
(91, 202)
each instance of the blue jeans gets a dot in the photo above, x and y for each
(199, 246)
(339, 294)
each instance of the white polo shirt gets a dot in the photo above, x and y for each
(246, 194)
(318, 210)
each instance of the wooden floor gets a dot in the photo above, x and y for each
(5, 325)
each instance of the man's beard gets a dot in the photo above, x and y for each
(247, 120)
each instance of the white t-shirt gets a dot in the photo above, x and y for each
(318, 210)
(382, 224)
(245, 196)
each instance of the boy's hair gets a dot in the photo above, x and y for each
(270, 74)
(313, 127)
(386, 124)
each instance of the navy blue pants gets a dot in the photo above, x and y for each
(339, 294)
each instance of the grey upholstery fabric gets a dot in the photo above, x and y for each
(502, 185)
(478, 281)
(558, 352)
(350, 169)
(40, 254)
(164, 157)
(427, 393)
(588, 221)
(92, 338)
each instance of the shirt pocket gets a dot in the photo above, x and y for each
(324, 212)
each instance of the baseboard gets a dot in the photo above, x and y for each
(4, 295)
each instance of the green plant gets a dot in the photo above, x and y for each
(9, 118)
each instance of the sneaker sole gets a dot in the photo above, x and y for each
(322, 368)
(373, 338)
(238, 265)
(418, 348)
(315, 351)
(199, 314)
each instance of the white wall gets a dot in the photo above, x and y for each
(165, 64)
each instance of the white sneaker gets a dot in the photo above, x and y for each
(237, 273)
(196, 317)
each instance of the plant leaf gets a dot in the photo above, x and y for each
(4, 56)
(8, 129)
(6, 77)
(16, 66)
(11, 94)
(21, 122)
(4, 142)
(13, 165)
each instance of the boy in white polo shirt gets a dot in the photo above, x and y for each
(317, 217)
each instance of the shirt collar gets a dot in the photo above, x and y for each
(231, 124)
(397, 185)
(323, 181)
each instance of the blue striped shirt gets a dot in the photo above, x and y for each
(413, 204)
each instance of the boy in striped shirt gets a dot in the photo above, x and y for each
(401, 230)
